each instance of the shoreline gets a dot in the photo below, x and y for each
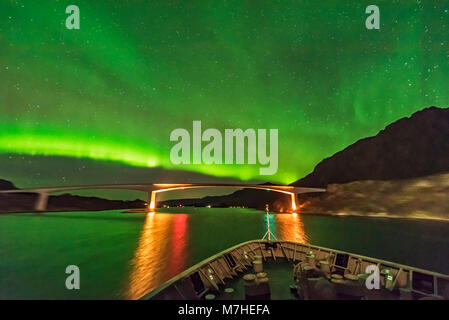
(377, 215)
(335, 214)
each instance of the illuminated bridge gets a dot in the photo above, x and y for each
(154, 188)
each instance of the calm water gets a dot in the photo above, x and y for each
(124, 255)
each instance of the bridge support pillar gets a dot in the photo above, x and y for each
(152, 205)
(41, 203)
(294, 197)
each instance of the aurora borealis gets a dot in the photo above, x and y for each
(136, 70)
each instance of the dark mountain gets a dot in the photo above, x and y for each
(408, 148)
(68, 202)
(6, 185)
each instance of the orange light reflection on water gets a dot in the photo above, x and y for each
(178, 244)
(160, 253)
(289, 227)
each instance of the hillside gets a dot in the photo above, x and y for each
(425, 197)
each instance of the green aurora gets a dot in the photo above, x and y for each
(136, 70)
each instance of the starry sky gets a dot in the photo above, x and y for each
(115, 89)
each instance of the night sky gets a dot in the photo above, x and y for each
(136, 70)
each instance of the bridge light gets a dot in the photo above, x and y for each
(152, 205)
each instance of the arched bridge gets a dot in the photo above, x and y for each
(154, 188)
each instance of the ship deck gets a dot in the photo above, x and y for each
(290, 271)
(280, 275)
